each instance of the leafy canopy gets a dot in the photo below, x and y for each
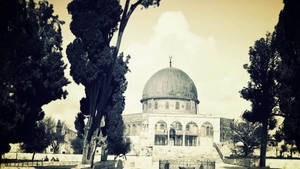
(31, 67)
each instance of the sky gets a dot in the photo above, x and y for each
(207, 39)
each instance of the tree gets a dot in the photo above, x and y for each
(115, 126)
(77, 145)
(95, 63)
(47, 133)
(31, 67)
(54, 133)
(279, 136)
(38, 142)
(248, 134)
(261, 89)
(287, 43)
(57, 137)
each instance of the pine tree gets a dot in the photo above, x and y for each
(261, 89)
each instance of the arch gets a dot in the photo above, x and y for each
(192, 128)
(207, 129)
(177, 126)
(176, 134)
(161, 133)
(191, 134)
(160, 126)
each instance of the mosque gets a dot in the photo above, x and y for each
(170, 125)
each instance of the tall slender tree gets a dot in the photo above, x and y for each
(95, 63)
(261, 89)
(287, 43)
(31, 67)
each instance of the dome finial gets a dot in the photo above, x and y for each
(170, 57)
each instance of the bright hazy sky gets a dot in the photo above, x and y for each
(208, 39)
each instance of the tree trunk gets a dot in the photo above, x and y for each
(33, 156)
(263, 146)
(94, 145)
(89, 148)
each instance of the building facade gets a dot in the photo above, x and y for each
(170, 125)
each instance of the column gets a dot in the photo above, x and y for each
(168, 132)
(183, 135)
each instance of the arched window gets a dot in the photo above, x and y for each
(177, 105)
(207, 129)
(155, 105)
(188, 106)
(167, 105)
(191, 134)
(161, 133)
(176, 134)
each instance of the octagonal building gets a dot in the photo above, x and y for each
(170, 126)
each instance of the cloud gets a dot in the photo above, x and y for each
(218, 78)
(67, 109)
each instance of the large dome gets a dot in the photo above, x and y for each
(170, 83)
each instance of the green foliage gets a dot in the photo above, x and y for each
(248, 134)
(93, 24)
(261, 89)
(79, 124)
(77, 145)
(96, 64)
(56, 136)
(31, 69)
(287, 43)
(38, 142)
(47, 133)
(114, 122)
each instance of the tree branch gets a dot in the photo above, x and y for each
(132, 8)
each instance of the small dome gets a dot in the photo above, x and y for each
(170, 83)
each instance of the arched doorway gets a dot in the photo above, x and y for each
(161, 133)
(176, 134)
